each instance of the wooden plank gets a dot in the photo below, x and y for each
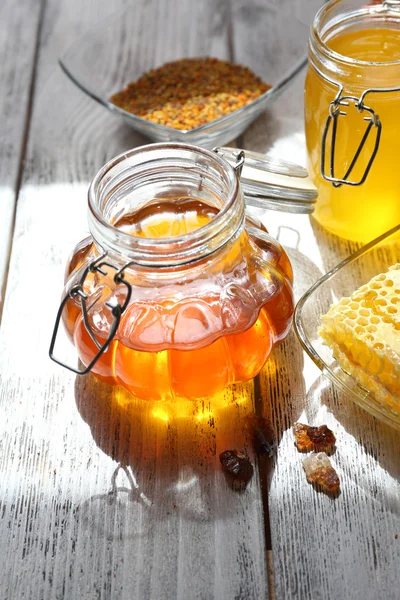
(322, 548)
(18, 33)
(102, 500)
(347, 547)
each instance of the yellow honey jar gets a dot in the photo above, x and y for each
(352, 116)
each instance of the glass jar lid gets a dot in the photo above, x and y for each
(271, 183)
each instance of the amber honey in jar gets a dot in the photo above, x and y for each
(352, 116)
(177, 292)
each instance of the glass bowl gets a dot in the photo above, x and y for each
(372, 259)
(101, 67)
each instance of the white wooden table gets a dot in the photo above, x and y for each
(98, 502)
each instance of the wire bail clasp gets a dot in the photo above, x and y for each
(116, 311)
(237, 154)
(335, 113)
(392, 4)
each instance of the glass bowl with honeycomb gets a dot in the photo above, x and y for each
(349, 324)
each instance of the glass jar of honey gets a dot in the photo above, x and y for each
(177, 292)
(352, 116)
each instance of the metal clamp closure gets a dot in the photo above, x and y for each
(238, 155)
(334, 114)
(392, 4)
(116, 311)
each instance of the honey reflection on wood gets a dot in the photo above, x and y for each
(174, 488)
(137, 433)
(282, 387)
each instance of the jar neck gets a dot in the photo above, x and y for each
(343, 16)
(168, 171)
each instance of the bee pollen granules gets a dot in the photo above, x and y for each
(187, 93)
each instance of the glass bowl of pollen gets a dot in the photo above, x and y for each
(131, 44)
(371, 261)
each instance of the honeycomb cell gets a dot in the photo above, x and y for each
(351, 315)
(381, 302)
(362, 321)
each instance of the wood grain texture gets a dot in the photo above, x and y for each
(98, 499)
(102, 498)
(322, 547)
(18, 34)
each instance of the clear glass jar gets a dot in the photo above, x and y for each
(179, 314)
(354, 59)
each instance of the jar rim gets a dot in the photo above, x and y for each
(378, 9)
(166, 246)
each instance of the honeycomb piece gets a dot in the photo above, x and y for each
(319, 470)
(367, 382)
(363, 332)
(382, 296)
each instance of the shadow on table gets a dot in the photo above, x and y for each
(167, 453)
(281, 390)
(333, 249)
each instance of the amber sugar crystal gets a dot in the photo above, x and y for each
(187, 93)
(260, 433)
(237, 467)
(313, 438)
(320, 472)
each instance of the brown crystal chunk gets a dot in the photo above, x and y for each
(319, 470)
(261, 434)
(313, 438)
(237, 466)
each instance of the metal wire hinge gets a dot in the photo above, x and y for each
(392, 4)
(335, 113)
(238, 155)
(116, 311)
